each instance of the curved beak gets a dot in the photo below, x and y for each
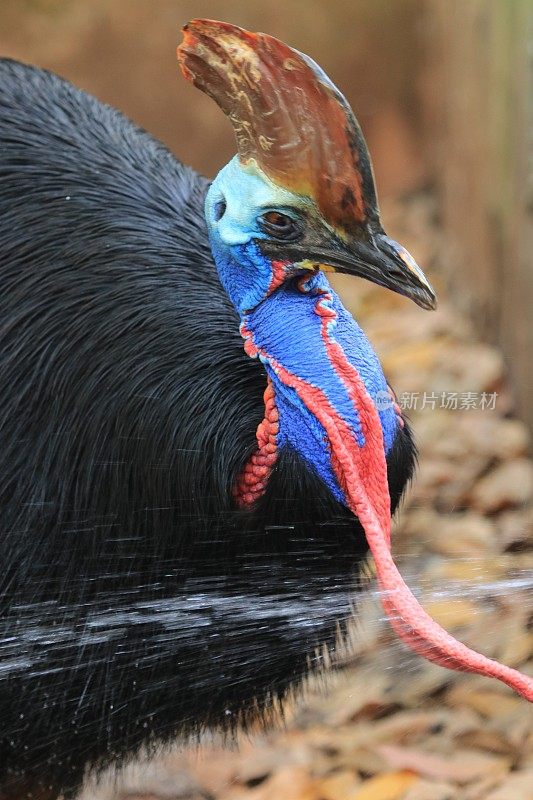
(389, 264)
(374, 257)
(382, 261)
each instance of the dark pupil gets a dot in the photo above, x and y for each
(280, 226)
(278, 220)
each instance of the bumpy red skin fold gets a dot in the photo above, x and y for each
(254, 477)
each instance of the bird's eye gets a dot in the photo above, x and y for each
(279, 225)
(219, 210)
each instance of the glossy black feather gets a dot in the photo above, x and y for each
(137, 602)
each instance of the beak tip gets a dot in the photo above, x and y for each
(429, 301)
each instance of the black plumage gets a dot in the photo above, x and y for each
(136, 601)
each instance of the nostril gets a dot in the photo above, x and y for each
(219, 210)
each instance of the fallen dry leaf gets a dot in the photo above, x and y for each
(431, 790)
(391, 786)
(289, 783)
(461, 767)
(510, 484)
(342, 785)
(490, 704)
(465, 534)
(453, 613)
(516, 786)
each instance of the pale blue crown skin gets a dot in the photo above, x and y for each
(247, 193)
(287, 326)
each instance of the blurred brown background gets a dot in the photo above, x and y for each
(443, 91)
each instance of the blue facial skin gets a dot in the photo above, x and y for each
(287, 327)
(243, 194)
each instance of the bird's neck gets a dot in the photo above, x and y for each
(326, 397)
(323, 400)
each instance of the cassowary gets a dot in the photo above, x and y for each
(183, 520)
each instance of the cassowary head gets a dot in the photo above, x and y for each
(299, 200)
(301, 189)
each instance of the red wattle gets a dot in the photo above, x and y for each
(252, 481)
(362, 475)
(279, 275)
(369, 500)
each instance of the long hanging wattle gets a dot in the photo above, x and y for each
(361, 472)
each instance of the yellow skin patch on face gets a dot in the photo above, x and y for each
(314, 265)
